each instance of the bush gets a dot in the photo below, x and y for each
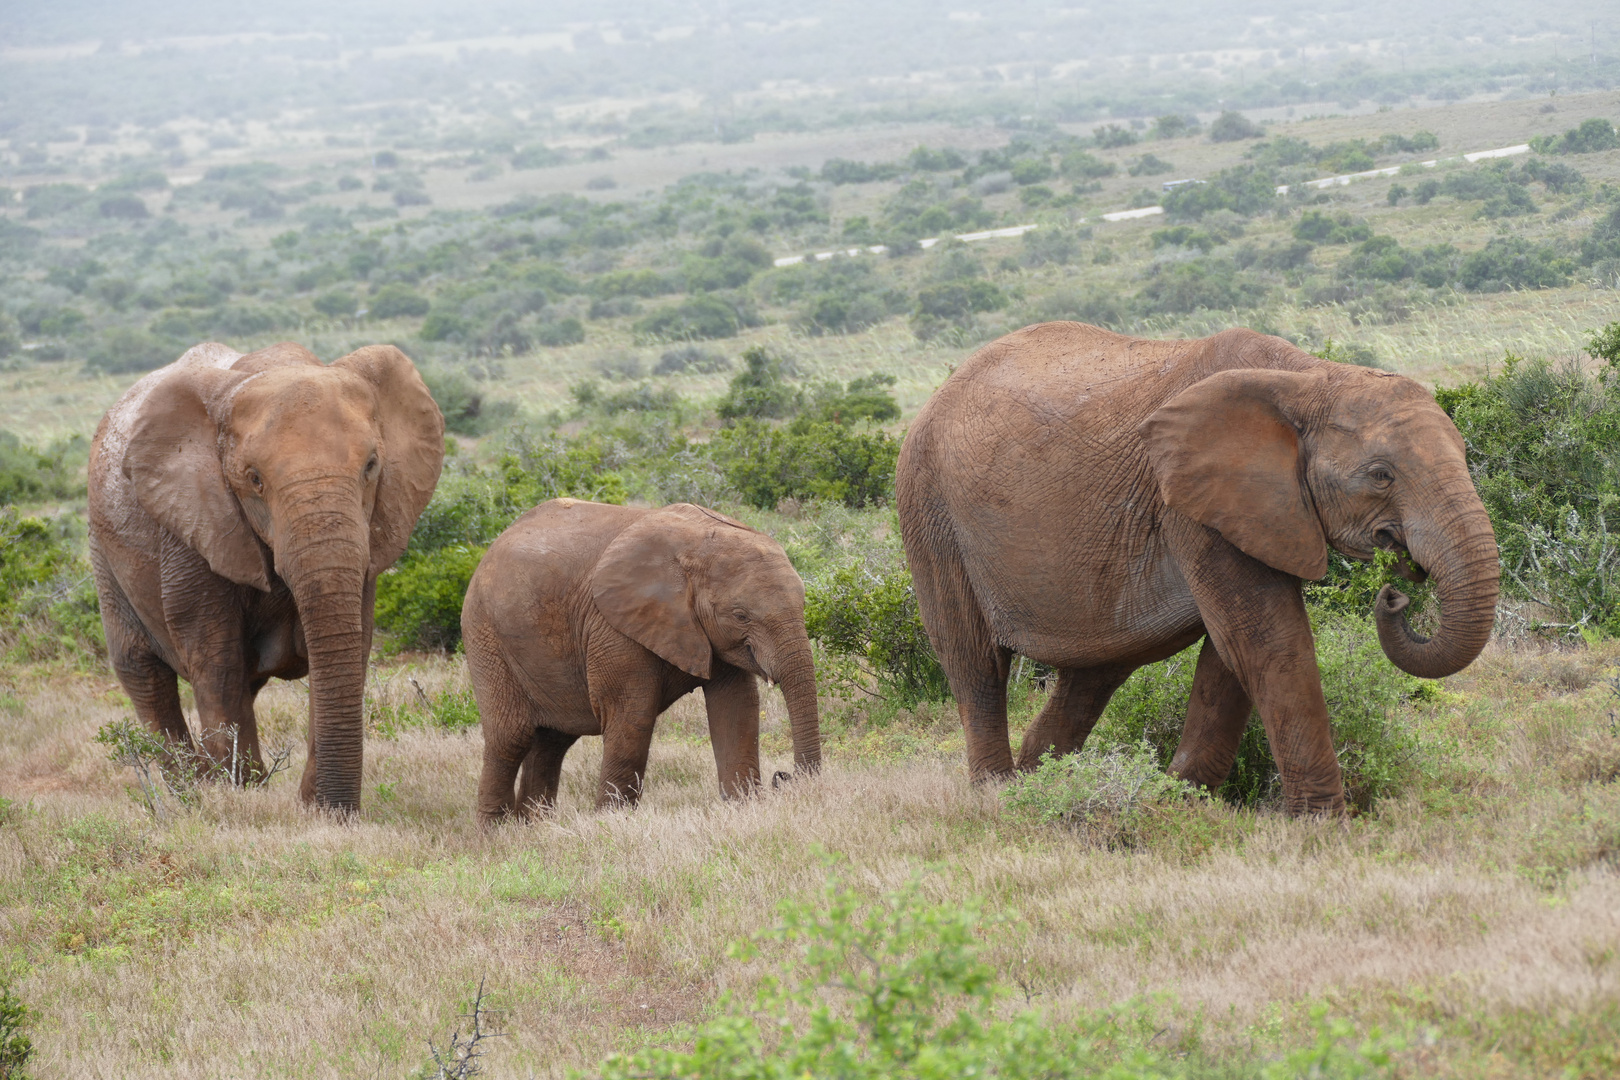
(1512, 262)
(1544, 449)
(1079, 165)
(1366, 696)
(695, 318)
(888, 989)
(1232, 126)
(124, 351)
(1108, 796)
(419, 599)
(48, 604)
(1320, 228)
(1150, 165)
(463, 405)
(335, 304)
(398, 300)
(1592, 136)
(865, 616)
(16, 1048)
(1244, 189)
(30, 475)
(1179, 288)
(1112, 136)
(808, 460)
(565, 331)
(690, 358)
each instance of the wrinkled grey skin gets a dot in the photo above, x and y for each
(241, 508)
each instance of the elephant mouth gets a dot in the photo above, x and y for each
(1405, 566)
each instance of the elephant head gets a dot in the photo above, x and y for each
(1285, 463)
(691, 585)
(280, 465)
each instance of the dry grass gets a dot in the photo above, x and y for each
(252, 937)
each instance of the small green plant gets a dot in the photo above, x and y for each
(16, 1048)
(892, 989)
(1109, 796)
(158, 765)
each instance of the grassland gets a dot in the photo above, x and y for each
(1477, 914)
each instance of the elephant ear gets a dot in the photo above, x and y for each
(1227, 455)
(412, 449)
(643, 592)
(172, 461)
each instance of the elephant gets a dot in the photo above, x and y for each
(590, 619)
(241, 508)
(1098, 502)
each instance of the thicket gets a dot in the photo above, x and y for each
(1544, 448)
(780, 440)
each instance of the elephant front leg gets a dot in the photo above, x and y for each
(627, 714)
(1216, 716)
(542, 772)
(1255, 616)
(732, 701)
(204, 613)
(1071, 712)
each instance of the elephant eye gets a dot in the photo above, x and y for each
(1381, 476)
(256, 480)
(740, 615)
(371, 467)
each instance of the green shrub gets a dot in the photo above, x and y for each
(865, 616)
(1320, 228)
(895, 989)
(1107, 796)
(809, 459)
(1150, 165)
(30, 475)
(122, 350)
(1243, 189)
(1232, 126)
(1080, 165)
(1591, 137)
(16, 1048)
(694, 318)
(565, 331)
(453, 709)
(48, 604)
(1366, 698)
(419, 598)
(462, 403)
(1544, 448)
(398, 300)
(335, 304)
(1207, 283)
(760, 390)
(1512, 262)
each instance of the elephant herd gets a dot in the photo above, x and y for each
(1091, 501)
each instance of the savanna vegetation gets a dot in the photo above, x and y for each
(598, 309)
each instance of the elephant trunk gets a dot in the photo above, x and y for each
(326, 568)
(1459, 554)
(797, 677)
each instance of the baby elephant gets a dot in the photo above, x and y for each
(588, 619)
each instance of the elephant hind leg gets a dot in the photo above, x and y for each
(975, 665)
(508, 720)
(1216, 716)
(1071, 712)
(542, 771)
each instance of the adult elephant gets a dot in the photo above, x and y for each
(241, 508)
(1098, 502)
(588, 619)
